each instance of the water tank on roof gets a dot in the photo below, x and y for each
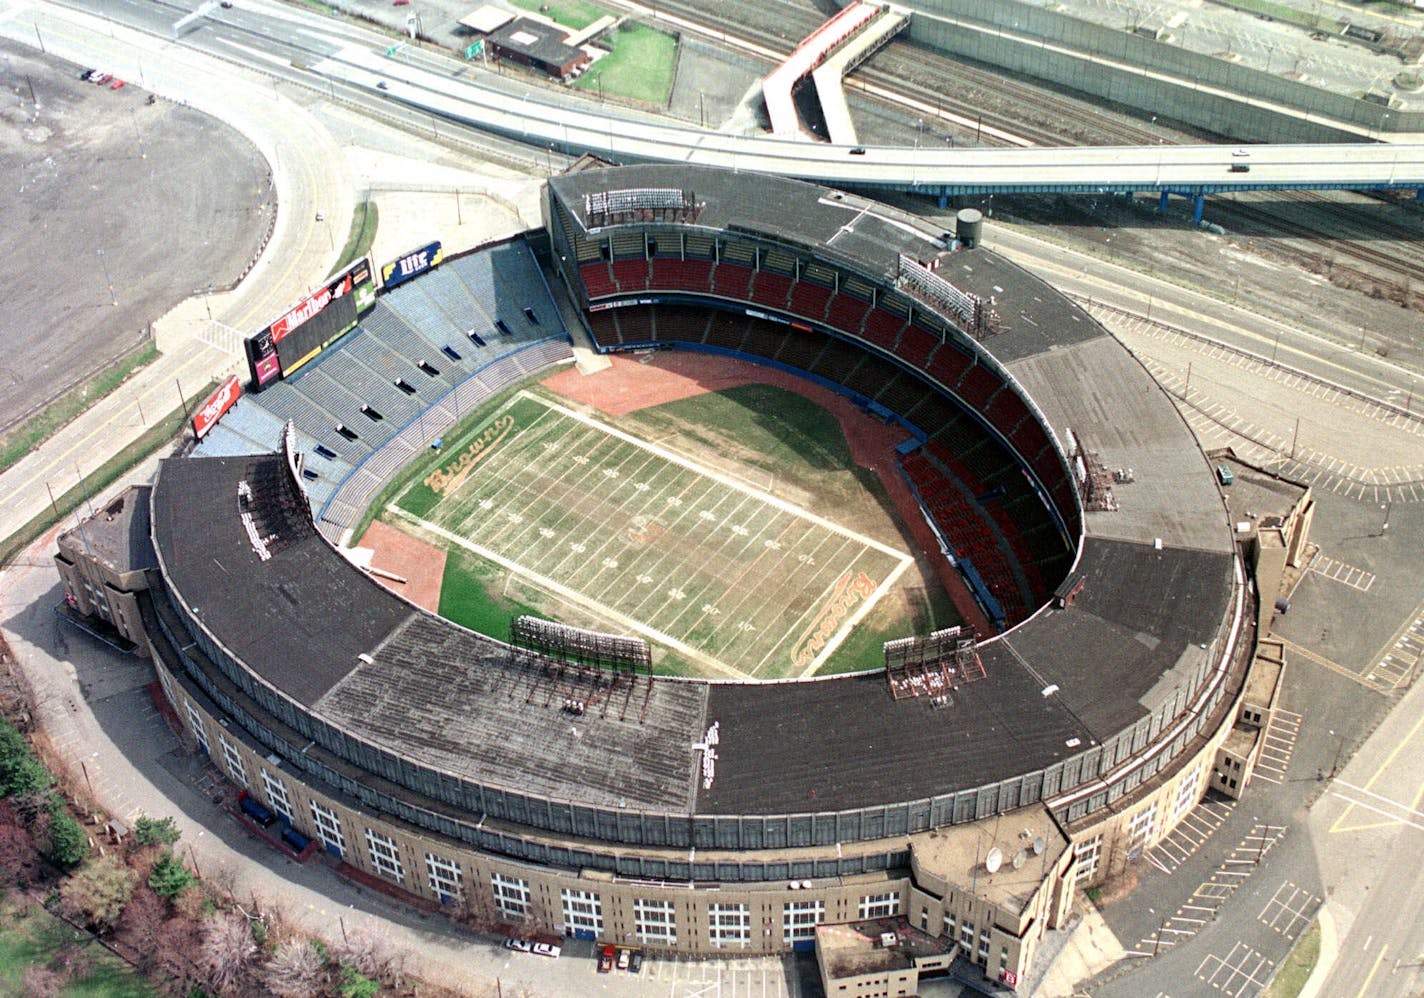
(968, 225)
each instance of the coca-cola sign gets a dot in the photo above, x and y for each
(217, 404)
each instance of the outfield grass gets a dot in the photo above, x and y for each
(468, 597)
(34, 936)
(25, 437)
(574, 14)
(639, 65)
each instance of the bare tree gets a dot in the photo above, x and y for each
(368, 952)
(138, 927)
(295, 970)
(173, 947)
(227, 950)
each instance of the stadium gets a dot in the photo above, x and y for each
(962, 780)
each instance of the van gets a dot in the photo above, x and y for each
(1224, 475)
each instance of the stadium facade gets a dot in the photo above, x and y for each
(448, 764)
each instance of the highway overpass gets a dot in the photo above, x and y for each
(1191, 171)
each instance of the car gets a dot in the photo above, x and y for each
(636, 963)
(1224, 475)
(605, 960)
(100, 78)
(116, 85)
(858, 151)
(84, 74)
(518, 945)
(547, 949)
(623, 957)
(382, 85)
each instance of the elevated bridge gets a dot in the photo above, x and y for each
(1189, 171)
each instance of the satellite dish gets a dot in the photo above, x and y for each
(994, 860)
(1038, 846)
(1020, 858)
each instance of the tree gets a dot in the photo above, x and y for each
(156, 831)
(42, 981)
(294, 970)
(173, 954)
(169, 877)
(98, 892)
(20, 771)
(19, 859)
(366, 951)
(227, 950)
(68, 845)
(139, 925)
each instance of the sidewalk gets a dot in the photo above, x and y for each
(309, 173)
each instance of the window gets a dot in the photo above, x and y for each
(511, 895)
(966, 936)
(1142, 826)
(951, 925)
(1187, 793)
(277, 795)
(199, 732)
(800, 918)
(444, 875)
(729, 925)
(328, 828)
(233, 760)
(1003, 960)
(984, 945)
(654, 921)
(880, 905)
(583, 911)
(1088, 853)
(385, 857)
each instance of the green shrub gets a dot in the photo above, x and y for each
(156, 831)
(20, 772)
(68, 845)
(355, 984)
(169, 877)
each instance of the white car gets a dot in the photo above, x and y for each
(547, 949)
(519, 945)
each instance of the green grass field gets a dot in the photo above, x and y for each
(608, 531)
(33, 936)
(575, 14)
(638, 66)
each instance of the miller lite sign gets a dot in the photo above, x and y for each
(218, 403)
(412, 264)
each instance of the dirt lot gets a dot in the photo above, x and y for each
(175, 201)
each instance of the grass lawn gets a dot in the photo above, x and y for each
(34, 937)
(573, 14)
(21, 439)
(639, 65)
(364, 221)
(1291, 978)
(467, 597)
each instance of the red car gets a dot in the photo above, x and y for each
(116, 84)
(605, 960)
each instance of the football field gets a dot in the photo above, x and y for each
(649, 542)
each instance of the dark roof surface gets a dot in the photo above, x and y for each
(300, 619)
(537, 40)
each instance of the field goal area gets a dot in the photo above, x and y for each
(741, 582)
